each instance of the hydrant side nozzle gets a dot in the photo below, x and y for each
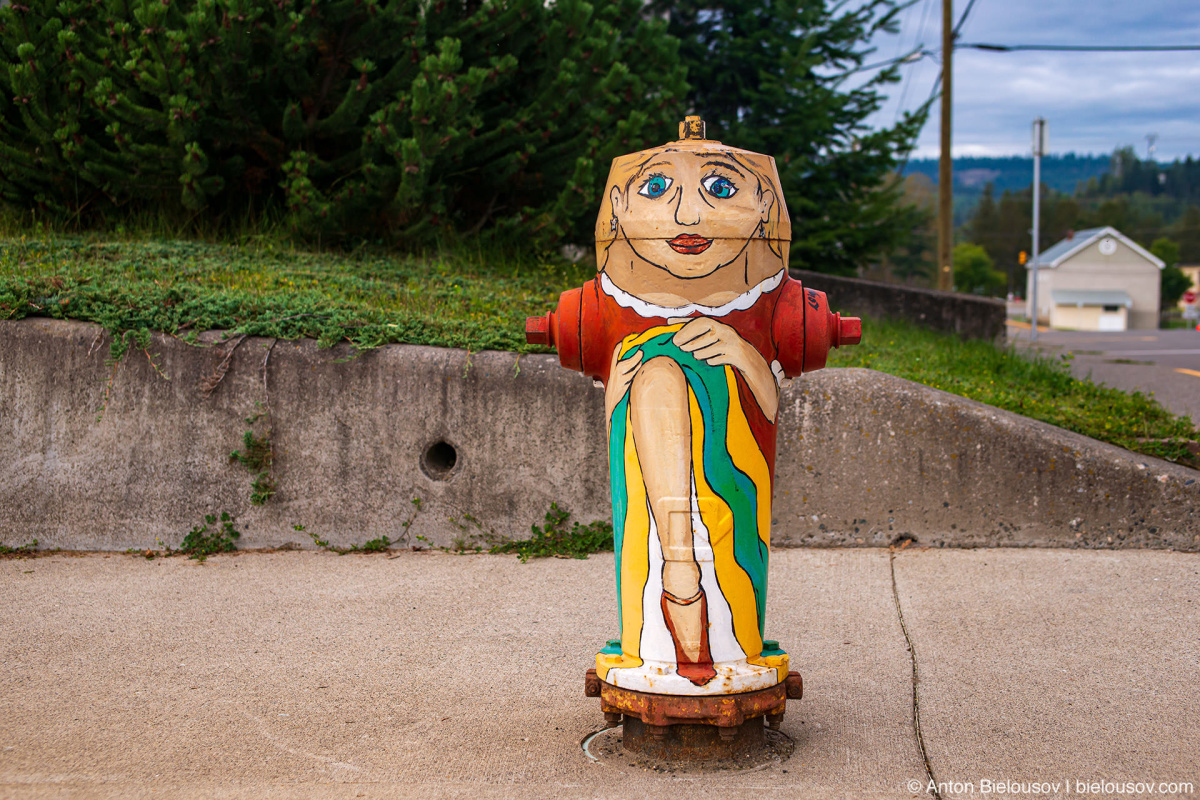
(848, 330)
(559, 329)
(540, 330)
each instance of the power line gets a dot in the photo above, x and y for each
(963, 19)
(908, 76)
(1009, 48)
(937, 83)
(1069, 48)
(908, 7)
(921, 52)
(915, 55)
(921, 25)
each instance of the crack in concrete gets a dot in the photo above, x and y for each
(912, 653)
(278, 742)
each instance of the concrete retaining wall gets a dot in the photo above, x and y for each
(967, 315)
(864, 458)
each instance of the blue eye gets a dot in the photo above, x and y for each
(718, 186)
(656, 186)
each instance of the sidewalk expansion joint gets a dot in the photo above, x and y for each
(912, 653)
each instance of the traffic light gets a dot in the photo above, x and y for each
(1022, 257)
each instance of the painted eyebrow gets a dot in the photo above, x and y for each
(725, 164)
(642, 171)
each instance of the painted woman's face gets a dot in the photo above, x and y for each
(692, 213)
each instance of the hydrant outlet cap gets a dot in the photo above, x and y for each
(849, 331)
(537, 330)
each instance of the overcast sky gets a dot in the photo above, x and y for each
(1094, 102)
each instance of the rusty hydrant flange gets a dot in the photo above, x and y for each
(723, 711)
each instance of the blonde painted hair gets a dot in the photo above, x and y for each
(777, 227)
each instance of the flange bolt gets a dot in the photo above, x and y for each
(591, 684)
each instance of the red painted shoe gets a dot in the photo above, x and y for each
(700, 671)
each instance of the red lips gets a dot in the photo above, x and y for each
(689, 244)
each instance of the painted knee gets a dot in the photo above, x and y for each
(660, 380)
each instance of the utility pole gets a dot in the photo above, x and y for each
(1039, 148)
(945, 274)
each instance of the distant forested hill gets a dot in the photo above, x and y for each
(1061, 173)
(1155, 204)
(1010, 173)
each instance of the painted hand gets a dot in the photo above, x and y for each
(620, 377)
(718, 344)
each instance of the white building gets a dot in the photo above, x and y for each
(1097, 280)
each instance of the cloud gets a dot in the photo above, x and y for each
(1094, 102)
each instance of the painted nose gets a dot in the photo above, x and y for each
(687, 208)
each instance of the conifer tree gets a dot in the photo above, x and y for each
(399, 117)
(1186, 232)
(781, 77)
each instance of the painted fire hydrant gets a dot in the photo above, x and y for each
(691, 325)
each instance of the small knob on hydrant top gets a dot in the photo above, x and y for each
(692, 128)
(537, 331)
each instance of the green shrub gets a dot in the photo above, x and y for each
(974, 271)
(397, 118)
(20, 550)
(257, 456)
(557, 540)
(200, 543)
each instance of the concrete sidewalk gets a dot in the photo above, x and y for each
(309, 675)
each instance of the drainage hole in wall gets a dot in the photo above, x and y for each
(439, 460)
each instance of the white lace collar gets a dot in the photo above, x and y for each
(644, 309)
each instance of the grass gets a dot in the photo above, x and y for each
(182, 288)
(555, 539)
(476, 298)
(29, 548)
(379, 545)
(1041, 388)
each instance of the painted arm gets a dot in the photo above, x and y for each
(620, 376)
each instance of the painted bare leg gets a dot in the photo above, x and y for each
(660, 418)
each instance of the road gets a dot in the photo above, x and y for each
(1163, 362)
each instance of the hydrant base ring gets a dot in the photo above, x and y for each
(683, 752)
